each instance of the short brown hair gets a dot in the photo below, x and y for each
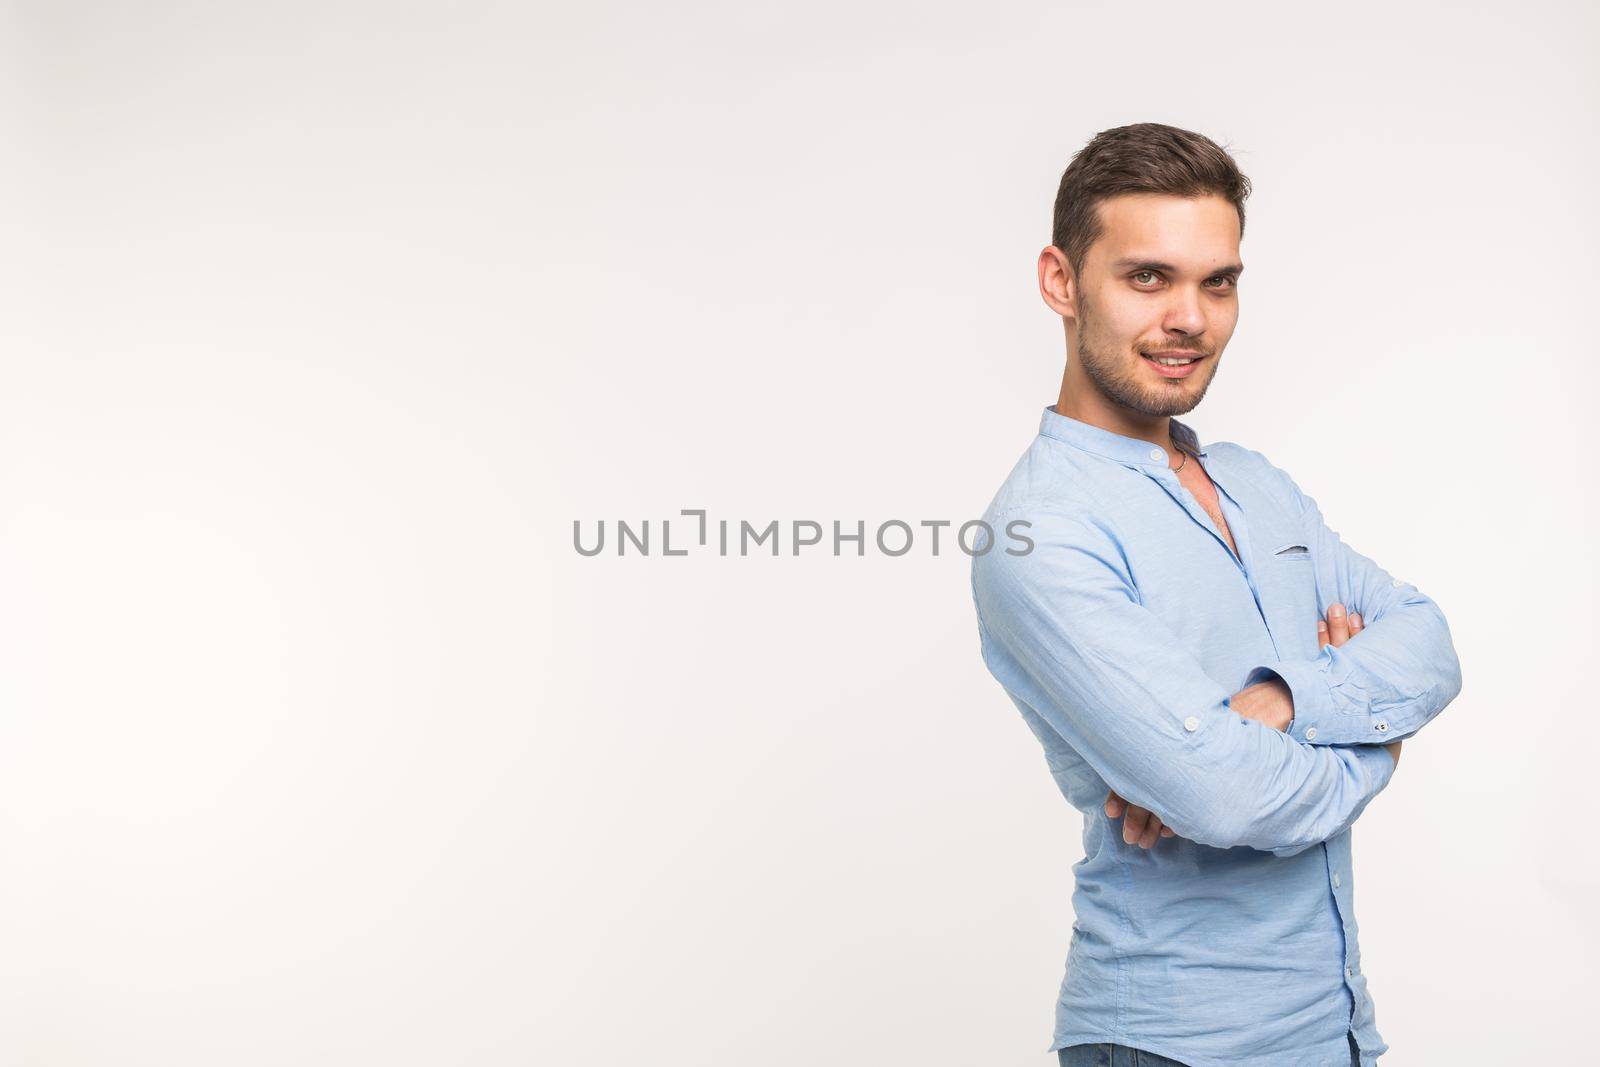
(1146, 157)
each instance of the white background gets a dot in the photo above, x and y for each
(319, 743)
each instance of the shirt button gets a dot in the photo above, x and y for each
(1349, 972)
(1311, 733)
(1397, 583)
(1381, 727)
(1156, 453)
(1336, 879)
(1191, 724)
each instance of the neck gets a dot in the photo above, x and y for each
(1081, 401)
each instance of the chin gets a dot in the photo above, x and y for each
(1173, 402)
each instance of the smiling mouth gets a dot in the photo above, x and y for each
(1174, 366)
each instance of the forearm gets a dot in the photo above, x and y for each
(1384, 685)
(1125, 695)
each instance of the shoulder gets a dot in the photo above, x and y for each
(1253, 464)
(1048, 478)
(1046, 542)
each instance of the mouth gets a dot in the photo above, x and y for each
(1174, 364)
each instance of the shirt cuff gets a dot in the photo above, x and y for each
(1318, 719)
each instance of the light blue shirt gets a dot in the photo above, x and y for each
(1121, 636)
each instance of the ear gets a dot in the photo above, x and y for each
(1057, 284)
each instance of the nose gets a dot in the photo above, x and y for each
(1184, 313)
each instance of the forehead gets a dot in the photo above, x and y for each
(1193, 233)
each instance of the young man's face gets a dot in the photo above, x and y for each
(1159, 282)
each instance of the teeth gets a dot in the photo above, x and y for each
(1174, 362)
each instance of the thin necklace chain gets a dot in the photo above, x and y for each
(1182, 453)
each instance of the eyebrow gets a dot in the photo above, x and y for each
(1234, 269)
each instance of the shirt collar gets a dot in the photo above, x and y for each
(1130, 450)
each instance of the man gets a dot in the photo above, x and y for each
(1165, 640)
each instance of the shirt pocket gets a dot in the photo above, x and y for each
(1293, 551)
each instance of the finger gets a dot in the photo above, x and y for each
(1152, 832)
(1166, 831)
(1338, 625)
(1133, 823)
(1356, 623)
(1322, 635)
(1115, 805)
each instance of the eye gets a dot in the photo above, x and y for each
(1226, 280)
(1136, 275)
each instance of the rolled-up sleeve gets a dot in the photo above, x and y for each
(1390, 679)
(1064, 630)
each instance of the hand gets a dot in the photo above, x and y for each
(1140, 826)
(1339, 627)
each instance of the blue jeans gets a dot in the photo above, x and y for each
(1111, 1056)
(1123, 1056)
